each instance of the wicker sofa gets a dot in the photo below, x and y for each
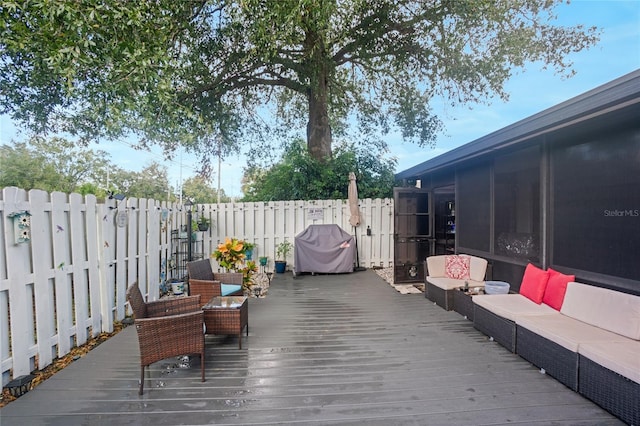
(591, 345)
(440, 282)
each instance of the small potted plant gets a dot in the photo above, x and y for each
(248, 250)
(203, 224)
(282, 251)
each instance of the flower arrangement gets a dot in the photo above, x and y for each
(231, 255)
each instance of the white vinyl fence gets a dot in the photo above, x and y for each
(66, 261)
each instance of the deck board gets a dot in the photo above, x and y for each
(323, 349)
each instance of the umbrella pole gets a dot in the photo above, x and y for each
(357, 268)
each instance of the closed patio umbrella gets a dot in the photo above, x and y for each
(354, 219)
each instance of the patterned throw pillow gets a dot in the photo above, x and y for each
(457, 266)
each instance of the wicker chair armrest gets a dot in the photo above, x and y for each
(178, 305)
(229, 277)
(181, 324)
(207, 282)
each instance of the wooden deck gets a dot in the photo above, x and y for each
(325, 350)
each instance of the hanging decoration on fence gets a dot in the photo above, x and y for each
(21, 226)
(121, 219)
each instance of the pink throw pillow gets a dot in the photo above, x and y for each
(457, 267)
(556, 288)
(534, 283)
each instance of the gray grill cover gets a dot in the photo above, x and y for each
(324, 249)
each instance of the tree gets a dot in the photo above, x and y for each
(151, 182)
(53, 164)
(200, 73)
(199, 191)
(298, 176)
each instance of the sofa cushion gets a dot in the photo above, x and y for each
(565, 331)
(608, 309)
(477, 268)
(457, 266)
(450, 283)
(534, 283)
(510, 306)
(620, 357)
(435, 266)
(556, 288)
(228, 289)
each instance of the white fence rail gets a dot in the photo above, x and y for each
(66, 261)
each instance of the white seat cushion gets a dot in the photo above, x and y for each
(621, 357)
(565, 331)
(510, 306)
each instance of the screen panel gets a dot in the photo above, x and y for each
(473, 209)
(596, 205)
(517, 204)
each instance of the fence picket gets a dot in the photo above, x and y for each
(20, 307)
(94, 245)
(41, 232)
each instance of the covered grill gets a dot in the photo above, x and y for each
(324, 249)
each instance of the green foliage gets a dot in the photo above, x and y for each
(283, 249)
(199, 73)
(54, 164)
(199, 191)
(151, 182)
(23, 168)
(232, 256)
(57, 164)
(299, 177)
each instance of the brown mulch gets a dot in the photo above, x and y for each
(60, 363)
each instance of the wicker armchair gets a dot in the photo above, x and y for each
(167, 328)
(204, 282)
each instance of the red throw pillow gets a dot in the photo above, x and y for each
(556, 287)
(534, 283)
(457, 267)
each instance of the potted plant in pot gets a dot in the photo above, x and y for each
(203, 224)
(282, 251)
(248, 250)
(232, 255)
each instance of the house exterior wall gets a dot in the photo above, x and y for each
(569, 201)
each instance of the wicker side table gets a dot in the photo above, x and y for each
(227, 315)
(463, 303)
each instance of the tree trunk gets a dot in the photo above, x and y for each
(318, 127)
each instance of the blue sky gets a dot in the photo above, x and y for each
(530, 91)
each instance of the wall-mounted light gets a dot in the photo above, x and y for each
(117, 197)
